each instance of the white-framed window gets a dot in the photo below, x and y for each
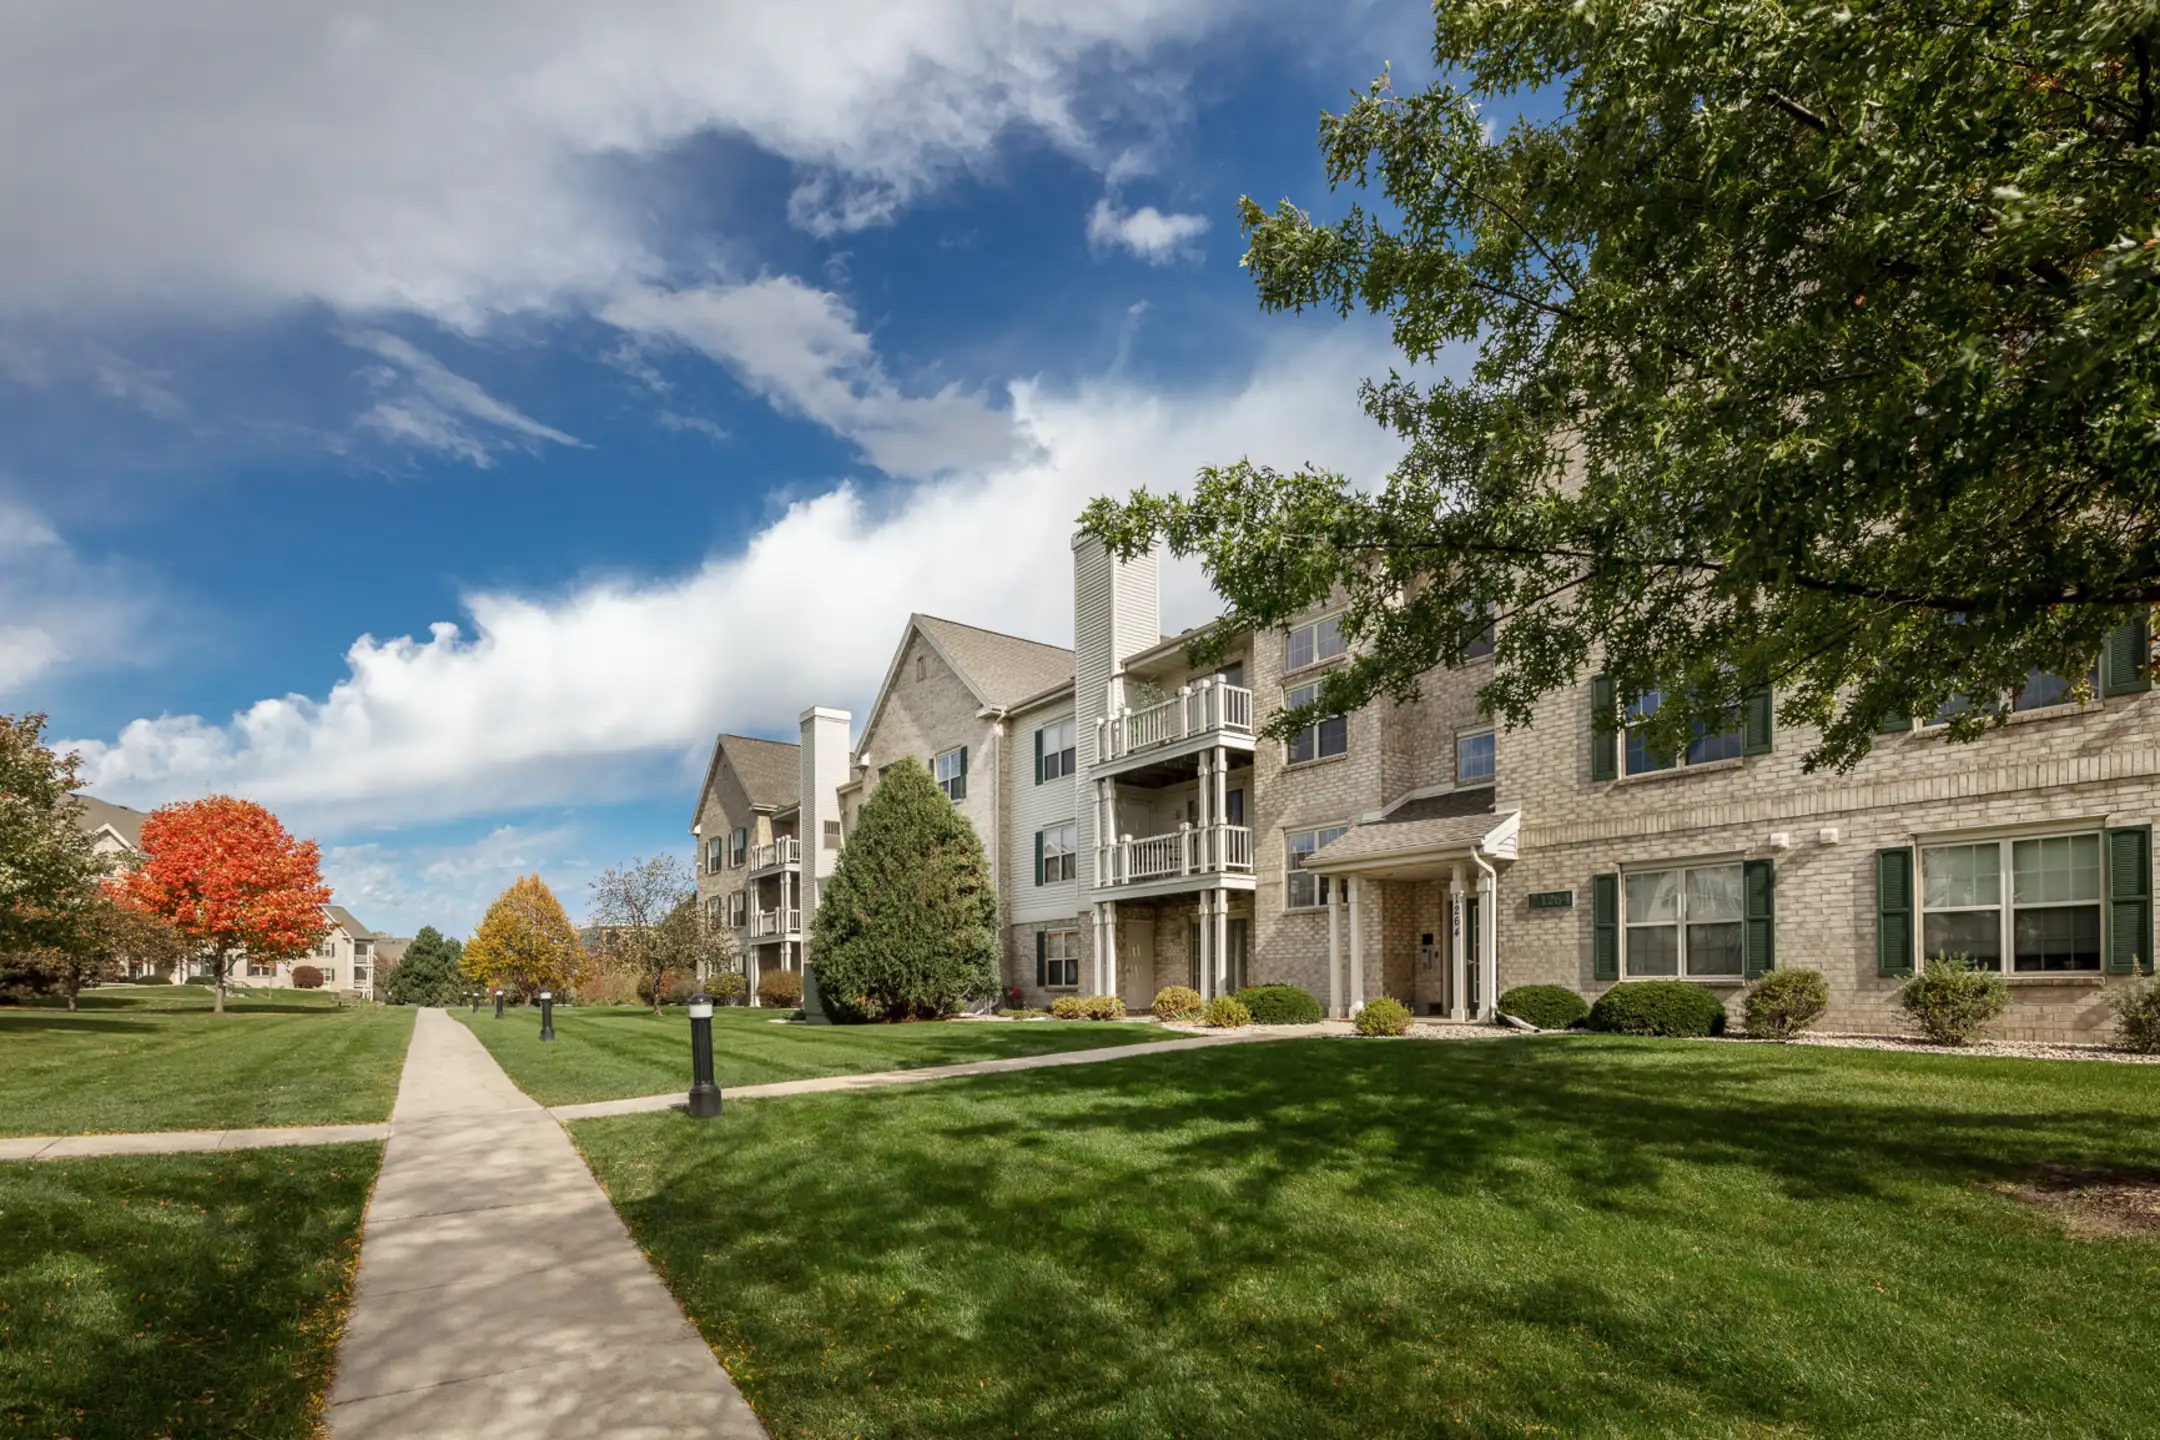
(715, 854)
(1054, 746)
(950, 770)
(832, 834)
(1480, 644)
(329, 974)
(1303, 890)
(1312, 644)
(261, 969)
(1704, 745)
(1474, 757)
(2046, 919)
(1061, 959)
(1059, 846)
(1684, 921)
(739, 846)
(739, 909)
(715, 911)
(1330, 736)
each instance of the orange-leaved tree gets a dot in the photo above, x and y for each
(526, 943)
(229, 877)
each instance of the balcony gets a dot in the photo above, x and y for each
(1200, 715)
(775, 924)
(783, 854)
(1188, 858)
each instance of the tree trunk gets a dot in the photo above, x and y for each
(218, 1007)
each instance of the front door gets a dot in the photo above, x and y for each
(1135, 981)
(1471, 966)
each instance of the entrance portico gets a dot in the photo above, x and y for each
(1395, 859)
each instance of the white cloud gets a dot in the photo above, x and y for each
(425, 403)
(400, 884)
(694, 424)
(57, 608)
(1147, 232)
(614, 687)
(459, 160)
(800, 348)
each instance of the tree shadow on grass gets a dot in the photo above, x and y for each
(25, 1022)
(1324, 1238)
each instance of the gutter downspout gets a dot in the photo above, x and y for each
(1488, 997)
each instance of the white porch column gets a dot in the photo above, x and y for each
(1458, 966)
(1488, 948)
(1203, 942)
(1357, 949)
(1221, 947)
(1106, 963)
(1221, 809)
(1334, 951)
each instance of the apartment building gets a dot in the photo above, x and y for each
(1143, 834)
(748, 827)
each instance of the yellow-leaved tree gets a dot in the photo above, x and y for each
(526, 943)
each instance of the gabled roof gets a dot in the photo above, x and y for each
(770, 771)
(99, 814)
(1000, 670)
(1458, 819)
(344, 918)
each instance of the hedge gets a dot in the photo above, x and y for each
(1280, 1005)
(1658, 1007)
(1549, 1007)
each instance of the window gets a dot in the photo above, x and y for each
(1061, 959)
(1474, 757)
(1328, 737)
(739, 909)
(1685, 922)
(2041, 689)
(922, 668)
(1704, 744)
(950, 769)
(329, 975)
(261, 969)
(1312, 644)
(1057, 853)
(713, 854)
(1234, 805)
(832, 834)
(739, 846)
(715, 912)
(1480, 644)
(1303, 890)
(2052, 920)
(1054, 751)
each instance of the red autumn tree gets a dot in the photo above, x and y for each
(232, 881)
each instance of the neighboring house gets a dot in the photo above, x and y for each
(749, 861)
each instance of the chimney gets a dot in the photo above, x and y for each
(1117, 612)
(824, 757)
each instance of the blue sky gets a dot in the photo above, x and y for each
(438, 421)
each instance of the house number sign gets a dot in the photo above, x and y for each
(1552, 899)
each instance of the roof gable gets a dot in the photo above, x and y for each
(769, 771)
(999, 670)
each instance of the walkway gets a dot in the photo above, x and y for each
(181, 1142)
(498, 1293)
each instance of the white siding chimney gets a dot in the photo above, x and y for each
(1117, 611)
(824, 770)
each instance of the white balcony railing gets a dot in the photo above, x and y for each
(1208, 850)
(782, 852)
(776, 922)
(1205, 707)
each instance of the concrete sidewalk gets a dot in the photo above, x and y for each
(876, 1079)
(182, 1142)
(498, 1293)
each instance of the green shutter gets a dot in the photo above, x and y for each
(1038, 857)
(1894, 911)
(1604, 754)
(1605, 927)
(1038, 757)
(1042, 961)
(2130, 897)
(1758, 930)
(2124, 667)
(1755, 723)
(961, 785)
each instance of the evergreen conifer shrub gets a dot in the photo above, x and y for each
(908, 926)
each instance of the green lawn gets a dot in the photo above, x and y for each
(155, 1058)
(613, 1053)
(177, 1295)
(1580, 1237)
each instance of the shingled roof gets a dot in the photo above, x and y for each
(126, 823)
(770, 771)
(1002, 669)
(1434, 822)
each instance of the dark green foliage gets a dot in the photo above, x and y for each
(908, 925)
(1659, 1007)
(1549, 1007)
(1280, 1005)
(1951, 999)
(1810, 345)
(428, 973)
(2136, 1007)
(1785, 1002)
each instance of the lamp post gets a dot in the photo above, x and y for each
(547, 1015)
(704, 1095)
(498, 1002)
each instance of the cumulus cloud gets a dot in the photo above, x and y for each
(458, 160)
(1146, 232)
(58, 607)
(424, 403)
(399, 884)
(618, 684)
(800, 349)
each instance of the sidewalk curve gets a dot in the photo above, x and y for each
(498, 1294)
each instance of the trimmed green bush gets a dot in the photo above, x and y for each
(1549, 1007)
(1384, 1015)
(728, 987)
(1658, 1007)
(306, 977)
(2137, 1016)
(1225, 1013)
(1177, 1002)
(1950, 999)
(1280, 1005)
(1785, 1002)
(907, 927)
(780, 987)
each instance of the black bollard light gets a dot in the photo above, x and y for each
(704, 1095)
(498, 1002)
(474, 996)
(547, 1015)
